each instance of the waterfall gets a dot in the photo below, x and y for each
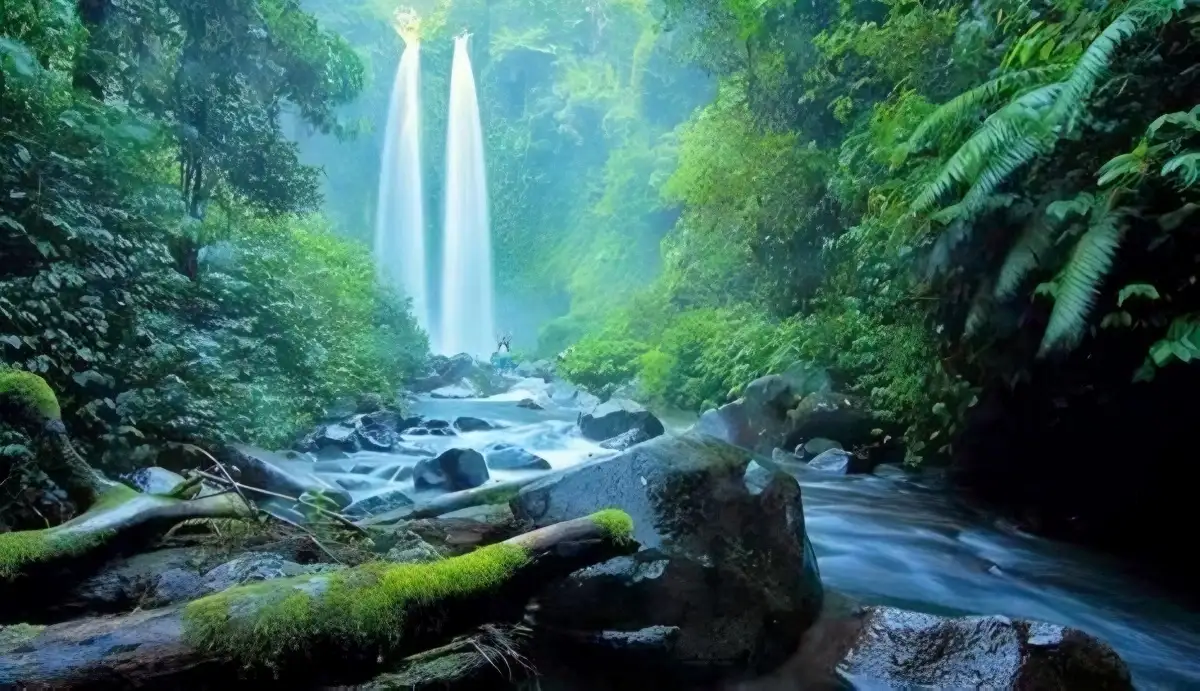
(467, 321)
(400, 212)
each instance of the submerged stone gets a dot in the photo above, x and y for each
(508, 457)
(455, 469)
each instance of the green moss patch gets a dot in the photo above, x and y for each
(364, 610)
(616, 524)
(31, 391)
(24, 550)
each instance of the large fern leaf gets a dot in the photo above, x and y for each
(967, 104)
(1014, 126)
(1187, 165)
(1092, 65)
(1024, 256)
(1079, 282)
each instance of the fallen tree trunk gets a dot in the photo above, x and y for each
(340, 627)
(34, 563)
(499, 493)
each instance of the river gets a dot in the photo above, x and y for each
(895, 541)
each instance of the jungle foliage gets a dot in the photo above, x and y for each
(162, 262)
(936, 200)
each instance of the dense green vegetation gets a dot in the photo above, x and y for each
(938, 201)
(163, 262)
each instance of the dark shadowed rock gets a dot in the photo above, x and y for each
(175, 585)
(443, 432)
(471, 424)
(383, 502)
(529, 403)
(731, 568)
(626, 440)
(127, 583)
(153, 480)
(903, 649)
(454, 470)
(508, 457)
(841, 462)
(834, 416)
(436, 424)
(377, 432)
(415, 432)
(616, 417)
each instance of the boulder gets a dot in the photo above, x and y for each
(529, 403)
(731, 568)
(339, 436)
(616, 417)
(453, 470)
(377, 432)
(415, 432)
(385, 501)
(538, 369)
(772, 414)
(626, 440)
(570, 396)
(127, 583)
(901, 649)
(841, 462)
(174, 585)
(249, 568)
(471, 424)
(153, 480)
(436, 424)
(443, 432)
(817, 446)
(508, 457)
(266, 470)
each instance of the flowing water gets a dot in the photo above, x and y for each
(400, 212)
(898, 542)
(467, 319)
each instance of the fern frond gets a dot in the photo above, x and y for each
(1079, 282)
(996, 172)
(1024, 256)
(1092, 65)
(1013, 126)
(981, 308)
(968, 103)
(1188, 166)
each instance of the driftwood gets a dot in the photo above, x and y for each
(334, 628)
(34, 564)
(499, 493)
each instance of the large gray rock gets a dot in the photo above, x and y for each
(538, 369)
(454, 470)
(388, 500)
(616, 417)
(772, 414)
(731, 568)
(817, 446)
(568, 395)
(502, 456)
(462, 389)
(467, 423)
(840, 462)
(901, 649)
(249, 568)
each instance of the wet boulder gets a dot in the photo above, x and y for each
(529, 403)
(730, 568)
(617, 417)
(377, 432)
(568, 395)
(538, 369)
(834, 416)
(901, 649)
(338, 436)
(153, 480)
(461, 389)
(250, 568)
(841, 462)
(626, 440)
(471, 424)
(387, 500)
(502, 456)
(817, 446)
(453, 470)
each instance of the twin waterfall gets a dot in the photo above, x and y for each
(400, 211)
(466, 323)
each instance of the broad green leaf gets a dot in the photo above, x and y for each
(1142, 290)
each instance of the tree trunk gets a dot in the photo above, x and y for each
(499, 493)
(340, 627)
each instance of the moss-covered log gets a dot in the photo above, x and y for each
(341, 627)
(498, 493)
(36, 563)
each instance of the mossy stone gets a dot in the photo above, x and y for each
(30, 392)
